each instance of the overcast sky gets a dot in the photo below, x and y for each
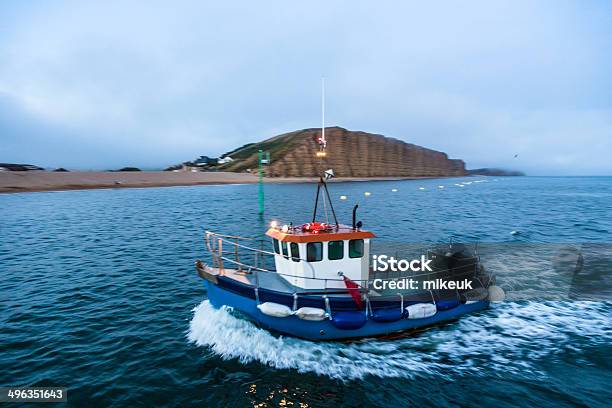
(98, 85)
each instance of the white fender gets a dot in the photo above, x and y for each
(421, 310)
(310, 313)
(274, 309)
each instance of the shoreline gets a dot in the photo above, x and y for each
(40, 181)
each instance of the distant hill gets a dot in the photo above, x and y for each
(349, 153)
(494, 172)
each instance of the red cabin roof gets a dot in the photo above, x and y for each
(301, 234)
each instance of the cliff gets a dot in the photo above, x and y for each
(349, 153)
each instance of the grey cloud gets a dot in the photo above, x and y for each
(104, 84)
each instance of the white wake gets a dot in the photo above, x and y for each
(508, 338)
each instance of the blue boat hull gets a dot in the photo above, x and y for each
(326, 329)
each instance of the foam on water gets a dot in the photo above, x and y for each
(509, 338)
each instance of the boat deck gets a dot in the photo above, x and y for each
(268, 280)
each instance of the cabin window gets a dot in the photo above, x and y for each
(285, 250)
(335, 250)
(276, 246)
(356, 248)
(314, 251)
(295, 252)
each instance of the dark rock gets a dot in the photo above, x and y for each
(18, 167)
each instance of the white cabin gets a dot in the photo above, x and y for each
(301, 254)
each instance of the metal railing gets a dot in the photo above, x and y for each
(215, 243)
(220, 246)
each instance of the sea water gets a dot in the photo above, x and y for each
(98, 293)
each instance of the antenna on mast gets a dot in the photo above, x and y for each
(328, 173)
(323, 110)
(322, 141)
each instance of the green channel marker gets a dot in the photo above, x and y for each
(263, 158)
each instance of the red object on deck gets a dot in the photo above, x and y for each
(353, 289)
(316, 227)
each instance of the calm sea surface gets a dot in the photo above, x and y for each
(98, 293)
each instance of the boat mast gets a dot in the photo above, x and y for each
(323, 184)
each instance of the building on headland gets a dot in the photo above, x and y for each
(225, 160)
(204, 161)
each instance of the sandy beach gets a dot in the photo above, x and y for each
(28, 181)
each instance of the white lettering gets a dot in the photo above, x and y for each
(384, 263)
(440, 284)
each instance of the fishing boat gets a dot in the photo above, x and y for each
(315, 282)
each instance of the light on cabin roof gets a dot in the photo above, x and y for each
(285, 228)
(273, 224)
